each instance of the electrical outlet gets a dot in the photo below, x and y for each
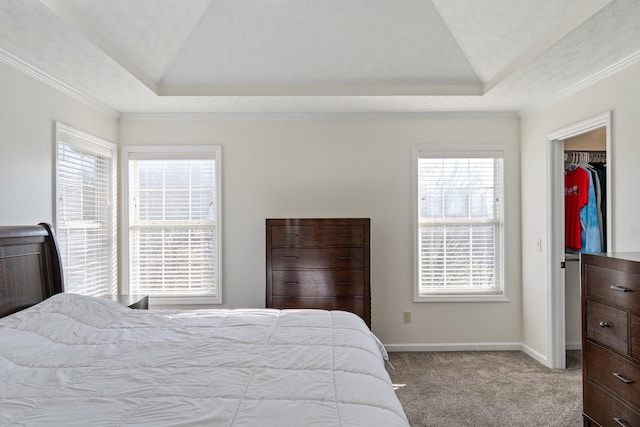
(407, 317)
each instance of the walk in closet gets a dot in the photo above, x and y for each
(585, 162)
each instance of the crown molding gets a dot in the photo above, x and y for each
(597, 77)
(39, 75)
(440, 115)
(469, 88)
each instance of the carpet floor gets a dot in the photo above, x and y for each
(486, 389)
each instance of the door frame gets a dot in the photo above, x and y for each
(555, 233)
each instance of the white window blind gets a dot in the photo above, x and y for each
(173, 224)
(460, 223)
(85, 211)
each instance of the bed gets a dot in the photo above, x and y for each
(68, 359)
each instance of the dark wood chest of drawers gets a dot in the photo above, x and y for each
(610, 286)
(319, 263)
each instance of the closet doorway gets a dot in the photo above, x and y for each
(582, 143)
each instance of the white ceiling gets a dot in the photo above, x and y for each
(319, 56)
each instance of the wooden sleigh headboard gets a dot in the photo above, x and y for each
(30, 267)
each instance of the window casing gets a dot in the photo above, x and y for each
(172, 223)
(85, 211)
(459, 211)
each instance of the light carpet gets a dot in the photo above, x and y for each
(493, 388)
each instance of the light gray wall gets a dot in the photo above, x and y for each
(318, 167)
(28, 110)
(619, 94)
(348, 167)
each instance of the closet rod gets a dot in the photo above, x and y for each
(585, 156)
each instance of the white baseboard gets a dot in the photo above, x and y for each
(454, 347)
(536, 355)
(472, 347)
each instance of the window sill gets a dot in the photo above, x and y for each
(462, 298)
(164, 301)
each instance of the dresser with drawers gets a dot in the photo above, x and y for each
(610, 285)
(320, 263)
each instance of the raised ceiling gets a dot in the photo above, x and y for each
(319, 56)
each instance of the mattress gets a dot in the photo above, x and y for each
(77, 361)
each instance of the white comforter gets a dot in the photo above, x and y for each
(81, 361)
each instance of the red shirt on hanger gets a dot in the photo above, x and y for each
(576, 195)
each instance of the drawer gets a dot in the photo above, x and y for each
(353, 305)
(317, 257)
(618, 287)
(607, 326)
(606, 410)
(311, 235)
(613, 372)
(317, 283)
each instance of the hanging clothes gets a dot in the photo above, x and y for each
(590, 238)
(585, 206)
(576, 196)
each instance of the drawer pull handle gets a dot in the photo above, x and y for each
(345, 283)
(620, 421)
(345, 257)
(604, 324)
(622, 378)
(290, 234)
(295, 283)
(290, 257)
(620, 288)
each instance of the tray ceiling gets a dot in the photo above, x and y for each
(319, 56)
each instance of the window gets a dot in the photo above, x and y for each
(460, 224)
(173, 223)
(85, 211)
